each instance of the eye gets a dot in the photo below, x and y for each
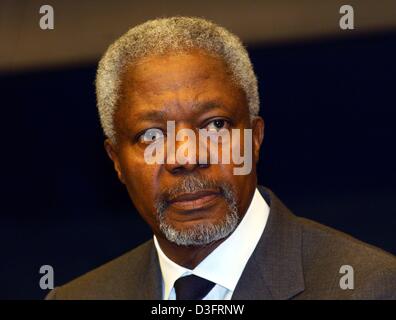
(151, 135)
(217, 125)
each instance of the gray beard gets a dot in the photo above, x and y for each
(201, 233)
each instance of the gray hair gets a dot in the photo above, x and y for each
(170, 34)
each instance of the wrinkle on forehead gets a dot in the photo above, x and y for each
(155, 74)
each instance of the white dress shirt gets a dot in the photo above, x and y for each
(225, 264)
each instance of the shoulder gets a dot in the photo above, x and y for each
(110, 280)
(328, 255)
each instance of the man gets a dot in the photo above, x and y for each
(217, 235)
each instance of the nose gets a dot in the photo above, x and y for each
(182, 152)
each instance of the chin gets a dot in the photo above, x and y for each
(199, 228)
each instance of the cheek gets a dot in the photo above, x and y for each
(225, 172)
(240, 184)
(235, 153)
(141, 179)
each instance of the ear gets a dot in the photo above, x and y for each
(111, 150)
(258, 136)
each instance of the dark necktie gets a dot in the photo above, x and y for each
(192, 287)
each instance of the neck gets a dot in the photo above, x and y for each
(188, 257)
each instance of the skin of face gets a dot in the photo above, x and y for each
(193, 89)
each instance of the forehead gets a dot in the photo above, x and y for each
(176, 81)
(169, 71)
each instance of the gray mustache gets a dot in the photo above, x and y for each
(189, 184)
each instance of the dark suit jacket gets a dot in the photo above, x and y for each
(295, 259)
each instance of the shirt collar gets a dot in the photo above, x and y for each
(225, 264)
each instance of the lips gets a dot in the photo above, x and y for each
(194, 200)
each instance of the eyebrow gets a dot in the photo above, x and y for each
(153, 116)
(201, 107)
(207, 105)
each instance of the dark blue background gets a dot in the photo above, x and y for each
(329, 154)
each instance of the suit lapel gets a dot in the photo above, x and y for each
(274, 271)
(150, 280)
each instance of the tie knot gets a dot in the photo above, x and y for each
(192, 287)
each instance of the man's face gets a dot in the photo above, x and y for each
(195, 90)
